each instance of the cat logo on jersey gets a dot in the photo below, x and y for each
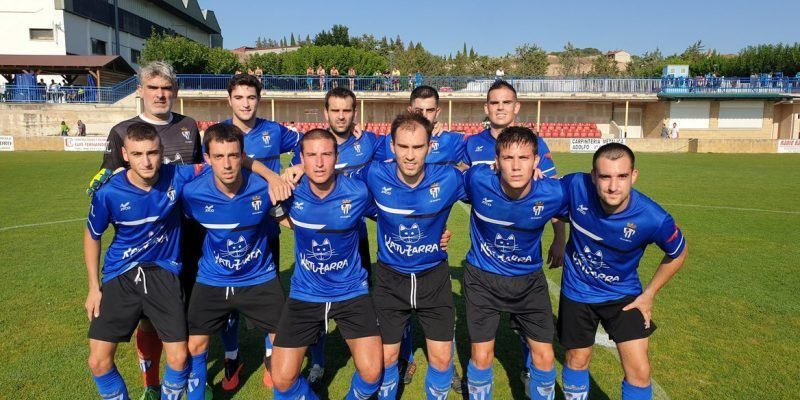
(265, 137)
(186, 134)
(346, 204)
(435, 145)
(629, 230)
(171, 194)
(538, 208)
(434, 190)
(256, 203)
(357, 147)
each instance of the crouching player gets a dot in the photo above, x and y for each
(504, 264)
(612, 224)
(236, 271)
(328, 282)
(141, 266)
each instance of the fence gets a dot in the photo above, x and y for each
(69, 94)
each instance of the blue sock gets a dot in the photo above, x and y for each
(267, 345)
(479, 382)
(360, 389)
(300, 390)
(542, 384)
(111, 385)
(575, 383)
(230, 336)
(174, 382)
(406, 345)
(391, 377)
(196, 385)
(437, 383)
(318, 350)
(630, 392)
(526, 351)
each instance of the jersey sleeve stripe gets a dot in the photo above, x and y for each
(139, 221)
(584, 231)
(92, 228)
(680, 246)
(547, 171)
(482, 162)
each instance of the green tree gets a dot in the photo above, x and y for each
(270, 63)
(221, 61)
(338, 36)
(291, 40)
(186, 56)
(604, 67)
(568, 60)
(529, 60)
(295, 62)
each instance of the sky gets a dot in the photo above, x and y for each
(497, 28)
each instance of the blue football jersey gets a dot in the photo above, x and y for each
(235, 250)
(411, 220)
(147, 224)
(480, 149)
(328, 265)
(266, 142)
(603, 251)
(447, 148)
(354, 154)
(506, 234)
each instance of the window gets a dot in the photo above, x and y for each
(98, 47)
(41, 34)
(135, 56)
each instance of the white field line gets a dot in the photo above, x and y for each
(601, 337)
(731, 208)
(8, 228)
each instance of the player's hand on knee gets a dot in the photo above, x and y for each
(445, 239)
(644, 303)
(92, 304)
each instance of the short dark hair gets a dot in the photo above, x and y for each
(245, 80)
(516, 135)
(140, 131)
(318, 133)
(500, 84)
(341, 93)
(613, 151)
(407, 120)
(222, 133)
(424, 92)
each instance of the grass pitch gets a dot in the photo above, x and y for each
(729, 323)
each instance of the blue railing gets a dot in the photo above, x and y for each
(710, 84)
(69, 94)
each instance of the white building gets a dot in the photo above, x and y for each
(87, 27)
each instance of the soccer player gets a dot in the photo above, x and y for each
(504, 264)
(264, 141)
(236, 271)
(158, 88)
(612, 224)
(355, 151)
(447, 148)
(141, 266)
(326, 214)
(413, 274)
(501, 108)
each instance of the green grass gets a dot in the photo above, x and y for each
(729, 323)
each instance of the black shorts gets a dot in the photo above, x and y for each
(125, 301)
(577, 322)
(210, 305)
(192, 236)
(432, 294)
(366, 258)
(525, 297)
(302, 321)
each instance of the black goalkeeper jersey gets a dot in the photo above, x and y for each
(180, 137)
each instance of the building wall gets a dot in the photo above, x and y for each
(714, 132)
(18, 17)
(160, 16)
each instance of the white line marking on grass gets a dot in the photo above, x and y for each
(732, 208)
(601, 337)
(8, 228)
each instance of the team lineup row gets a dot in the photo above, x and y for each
(407, 182)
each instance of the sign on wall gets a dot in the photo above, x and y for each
(84, 144)
(789, 146)
(6, 143)
(590, 145)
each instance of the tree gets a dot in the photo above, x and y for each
(604, 67)
(529, 60)
(694, 52)
(338, 36)
(221, 61)
(270, 63)
(291, 40)
(186, 56)
(295, 62)
(568, 60)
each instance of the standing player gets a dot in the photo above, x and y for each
(504, 264)
(612, 224)
(264, 141)
(236, 271)
(141, 266)
(502, 108)
(158, 88)
(328, 282)
(414, 201)
(447, 148)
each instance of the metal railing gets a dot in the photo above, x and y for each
(69, 94)
(744, 85)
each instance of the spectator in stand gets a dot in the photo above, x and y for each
(387, 80)
(81, 129)
(238, 71)
(674, 132)
(664, 131)
(500, 73)
(334, 77)
(259, 72)
(250, 71)
(377, 78)
(418, 79)
(351, 73)
(64, 129)
(309, 77)
(396, 79)
(410, 81)
(51, 91)
(321, 74)
(2, 92)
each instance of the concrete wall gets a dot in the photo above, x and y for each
(714, 132)
(18, 17)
